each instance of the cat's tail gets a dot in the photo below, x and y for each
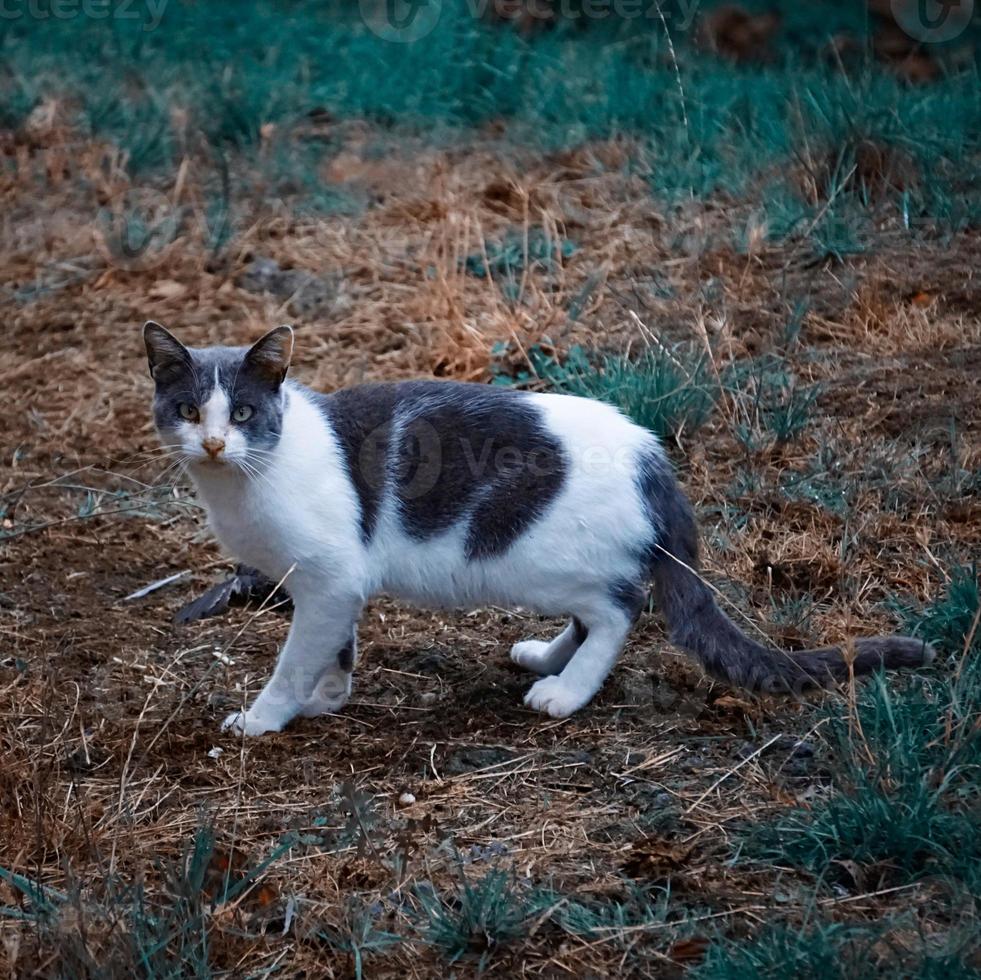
(697, 624)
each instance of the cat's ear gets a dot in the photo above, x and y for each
(164, 351)
(269, 357)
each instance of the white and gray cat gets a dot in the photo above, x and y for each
(454, 495)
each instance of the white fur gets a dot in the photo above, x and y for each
(299, 519)
(215, 422)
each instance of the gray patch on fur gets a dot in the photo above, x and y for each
(630, 597)
(448, 452)
(348, 654)
(362, 419)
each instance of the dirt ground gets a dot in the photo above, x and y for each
(109, 713)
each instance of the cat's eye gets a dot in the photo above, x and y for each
(242, 413)
(188, 412)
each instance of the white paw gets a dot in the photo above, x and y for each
(529, 654)
(250, 723)
(553, 696)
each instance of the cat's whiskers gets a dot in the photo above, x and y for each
(151, 453)
(249, 472)
(254, 473)
(172, 485)
(251, 476)
(159, 458)
(177, 468)
(252, 453)
(179, 454)
(162, 454)
(261, 461)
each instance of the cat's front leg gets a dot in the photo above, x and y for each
(334, 687)
(313, 672)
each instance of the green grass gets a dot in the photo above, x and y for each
(907, 767)
(707, 128)
(477, 918)
(614, 917)
(506, 260)
(771, 407)
(835, 951)
(357, 936)
(110, 928)
(904, 809)
(669, 390)
(480, 917)
(950, 621)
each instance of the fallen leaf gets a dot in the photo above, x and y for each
(689, 950)
(729, 702)
(265, 895)
(226, 865)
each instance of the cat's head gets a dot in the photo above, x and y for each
(218, 405)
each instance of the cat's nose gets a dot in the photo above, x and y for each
(213, 447)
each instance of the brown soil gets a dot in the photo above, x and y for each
(110, 713)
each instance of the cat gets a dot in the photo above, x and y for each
(453, 494)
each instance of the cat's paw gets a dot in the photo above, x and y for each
(554, 697)
(250, 723)
(530, 655)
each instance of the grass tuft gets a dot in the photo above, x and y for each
(613, 918)
(667, 390)
(951, 622)
(908, 761)
(833, 951)
(477, 918)
(112, 928)
(357, 935)
(771, 408)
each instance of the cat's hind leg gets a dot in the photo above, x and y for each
(561, 694)
(550, 658)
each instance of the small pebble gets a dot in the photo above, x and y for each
(406, 799)
(215, 752)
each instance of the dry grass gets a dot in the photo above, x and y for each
(109, 715)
